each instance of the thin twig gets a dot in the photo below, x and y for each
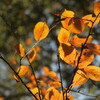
(18, 76)
(60, 75)
(34, 77)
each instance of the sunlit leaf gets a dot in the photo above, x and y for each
(20, 50)
(41, 31)
(80, 78)
(22, 71)
(28, 41)
(89, 19)
(86, 58)
(52, 94)
(46, 70)
(53, 75)
(68, 54)
(93, 72)
(63, 35)
(95, 48)
(75, 25)
(97, 8)
(31, 56)
(78, 42)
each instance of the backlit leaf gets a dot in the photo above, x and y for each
(20, 50)
(68, 54)
(41, 31)
(93, 72)
(70, 23)
(97, 7)
(78, 42)
(95, 48)
(80, 78)
(31, 56)
(86, 58)
(63, 35)
(22, 71)
(52, 94)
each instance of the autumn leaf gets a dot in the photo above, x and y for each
(20, 50)
(78, 42)
(93, 72)
(89, 19)
(28, 41)
(46, 70)
(53, 75)
(22, 71)
(41, 31)
(95, 48)
(63, 35)
(97, 8)
(52, 94)
(35, 91)
(80, 78)
(31, 56)
(86, 58)
(68, 54)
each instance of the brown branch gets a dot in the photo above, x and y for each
(18, 76)
(60, 75)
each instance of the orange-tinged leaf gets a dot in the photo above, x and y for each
(22, 71)
(13, 61)
(63, 35)
(2, 98)
(34, 90)
(20, 50)
(89, 19)
(46, 70)
(52, 94)
(28, 41)
(97, 8)
(41, 31)
(75, 25)
(93, 72)
(31, 56)
(36, 93)
(95, 48)
(53, 75)
(68, 54)
(86, 58)
(78, 42)
(80, 78)
(38, 49)
(67, 13)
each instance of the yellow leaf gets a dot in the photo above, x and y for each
(52, 94)
(89, 19)
(28, 41)
(78, 42)
(22, 71)
(41, 31)
(63, 35)
(86, 58)
(20, 50)
(36, 93)
(80, 78)
(68, 54)
(46, 70)
(32, 55)
(97, 8)
(93, 72)
(53, 75)
(75, 25)
(95, 48)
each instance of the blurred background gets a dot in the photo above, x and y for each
(17, 20)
